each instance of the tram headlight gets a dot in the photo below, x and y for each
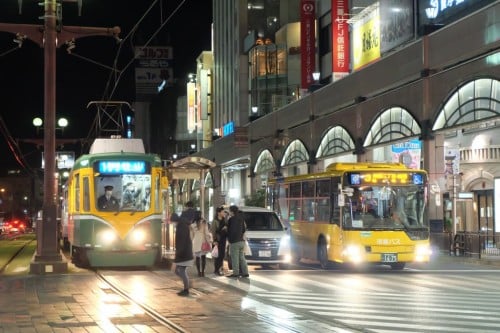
(353, 253)
(138, 235)
(106, 237)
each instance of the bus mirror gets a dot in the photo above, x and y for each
(341, 200)
(349, 191)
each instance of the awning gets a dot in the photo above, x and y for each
(189, 167)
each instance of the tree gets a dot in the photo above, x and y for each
(257, 199)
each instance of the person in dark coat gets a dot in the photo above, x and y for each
(183, 254)
(235, 229)
(189, 214)
(219, 235)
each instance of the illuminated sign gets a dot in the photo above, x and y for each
(436, 7)
(340, 35)
(191, 104)
(228, 128)
(386, 178)
(366, 38)
(121, 167)
(307, 41)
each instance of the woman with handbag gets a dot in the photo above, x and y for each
(202, 243)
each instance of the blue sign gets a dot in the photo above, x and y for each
(121, 167)
(228, 128)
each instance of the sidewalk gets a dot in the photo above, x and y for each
(79, 302)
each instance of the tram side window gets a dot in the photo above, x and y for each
(76, 198)
(157, 194)
(86, 194)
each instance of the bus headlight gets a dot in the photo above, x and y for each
(353, 253)
(422, 252)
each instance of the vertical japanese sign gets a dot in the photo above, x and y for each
(340, 35)
(191, 102)
(153, 66)
(307, 41)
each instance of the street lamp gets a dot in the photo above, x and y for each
(61, 122)
(316, 76)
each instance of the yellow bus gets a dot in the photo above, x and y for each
(355, 213)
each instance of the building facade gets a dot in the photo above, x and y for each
(430, 101)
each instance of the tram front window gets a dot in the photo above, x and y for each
(126, 192)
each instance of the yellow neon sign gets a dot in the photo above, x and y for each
(385, 177)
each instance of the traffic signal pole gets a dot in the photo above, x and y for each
(48, 258)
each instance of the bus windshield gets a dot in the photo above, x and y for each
(385, 207)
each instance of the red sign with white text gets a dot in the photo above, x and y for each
(307, 41)
(340, 35)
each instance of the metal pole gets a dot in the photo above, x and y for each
(454, 207)
(47, 258)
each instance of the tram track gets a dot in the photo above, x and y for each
(158, 317)
(12, 252)
(206, 294)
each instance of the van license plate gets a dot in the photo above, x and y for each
(389, 257)
(264, 253)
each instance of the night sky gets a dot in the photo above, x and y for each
(84, 76)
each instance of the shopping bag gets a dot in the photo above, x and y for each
(206, 247)
(215, 252)
(246, 248)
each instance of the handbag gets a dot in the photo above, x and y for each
(206, 247)
(246, 247)
(215, 252)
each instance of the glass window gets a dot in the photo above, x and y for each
(308, 189)
(86, 194)
(77, 192)
(295, 209)
(309, 209)
(295, 191)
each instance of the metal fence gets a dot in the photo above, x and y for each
(467, 244)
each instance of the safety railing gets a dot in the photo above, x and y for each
(467, 244)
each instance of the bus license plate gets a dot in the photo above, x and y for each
(264, 253)
(389, 257)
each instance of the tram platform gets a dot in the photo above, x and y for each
(76, 302)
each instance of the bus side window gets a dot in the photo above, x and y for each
(334, 209)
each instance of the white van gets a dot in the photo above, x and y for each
(267, 236)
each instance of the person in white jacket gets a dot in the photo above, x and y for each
(201, 235)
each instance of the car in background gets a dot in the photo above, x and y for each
(14, 226)
(267, 236)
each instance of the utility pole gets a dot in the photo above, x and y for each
(48, 258)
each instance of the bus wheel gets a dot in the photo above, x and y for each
(322, 254)
(397, 266)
